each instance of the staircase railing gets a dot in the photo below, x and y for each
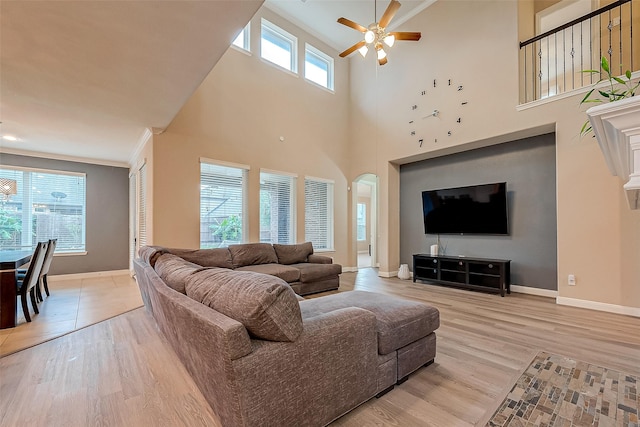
(552, 63)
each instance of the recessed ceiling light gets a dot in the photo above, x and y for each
(9, 137)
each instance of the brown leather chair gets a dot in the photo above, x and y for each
(27, 284)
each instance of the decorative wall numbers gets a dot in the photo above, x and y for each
(437, 112)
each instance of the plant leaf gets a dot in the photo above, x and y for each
(586, 96)
(628, 74)
(619, 80)
(586, 128)
(605, 64)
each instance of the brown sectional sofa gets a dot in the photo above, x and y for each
(264, 356)
(304, 271)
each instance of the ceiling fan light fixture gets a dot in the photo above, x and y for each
(363, 51)
(369, 36)
(390, 40)
(381, 53)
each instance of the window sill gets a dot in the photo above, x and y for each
(69, 253)
(315, 251)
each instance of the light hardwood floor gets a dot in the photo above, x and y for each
(121, 372)
(73, 304)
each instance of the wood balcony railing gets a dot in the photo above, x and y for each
(552, 63)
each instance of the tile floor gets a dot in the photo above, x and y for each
(73, 304)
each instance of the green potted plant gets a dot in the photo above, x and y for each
(617, 89)
(616, 127)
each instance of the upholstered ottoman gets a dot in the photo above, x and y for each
(404, 327)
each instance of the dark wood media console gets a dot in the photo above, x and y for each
(492, 275)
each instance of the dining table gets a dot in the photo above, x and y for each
(10, 261)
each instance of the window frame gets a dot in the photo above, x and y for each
(244, 189)
(246, 41)
(330, 217)
(283, 35)
(60, 246)
(322, 57)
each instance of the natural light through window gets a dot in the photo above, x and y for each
(45, 205)
(278, 46)
(242, 41)
(318, 67)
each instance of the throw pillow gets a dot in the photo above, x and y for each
(265, 305)
(293, 254)
(252, 254)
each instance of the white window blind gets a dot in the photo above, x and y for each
(48, 205)
(222, 205)
(142, 206)
(277, 208)
(318, 213)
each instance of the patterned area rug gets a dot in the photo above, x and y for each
(558, 391)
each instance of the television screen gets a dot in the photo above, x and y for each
(477, 209)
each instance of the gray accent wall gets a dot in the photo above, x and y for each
(528, 166)
(107, 215)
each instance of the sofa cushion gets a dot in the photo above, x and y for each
(265, 305)
(173, 270)
(285, 272)
(399, 322)
(218, 257)
(252, 254)
(314, 272)
(150, 254)
(292, 254)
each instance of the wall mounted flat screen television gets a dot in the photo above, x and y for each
(476, 209)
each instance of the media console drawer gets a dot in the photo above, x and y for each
(492, 275)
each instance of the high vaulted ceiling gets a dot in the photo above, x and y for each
(85, 79)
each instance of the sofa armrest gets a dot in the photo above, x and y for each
(328, 370)
(319, 259)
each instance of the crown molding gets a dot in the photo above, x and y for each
(142, 141)
(65, 158)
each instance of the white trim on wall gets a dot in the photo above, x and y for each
(92, 274)
(534, 291)
(51, 156)
(599, 306)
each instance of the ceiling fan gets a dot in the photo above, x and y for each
(376, 34)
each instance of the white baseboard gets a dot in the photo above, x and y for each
(600, 306)
(388, 273)
(90, 275)
(534, 291)
(349, 269)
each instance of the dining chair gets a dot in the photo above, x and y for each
(44, 271)
(27, 284)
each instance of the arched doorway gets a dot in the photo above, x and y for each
(366, 219)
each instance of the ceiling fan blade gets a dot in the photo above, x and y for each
(382, 61)
(393, 7)
(406, 35)
(353, 49)
(349, 23)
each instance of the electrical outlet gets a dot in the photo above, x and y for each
(572, 280)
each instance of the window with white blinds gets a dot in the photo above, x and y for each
(318, 213)
(142, 206)
(38, 205)
(277, 207)
(222, 205)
